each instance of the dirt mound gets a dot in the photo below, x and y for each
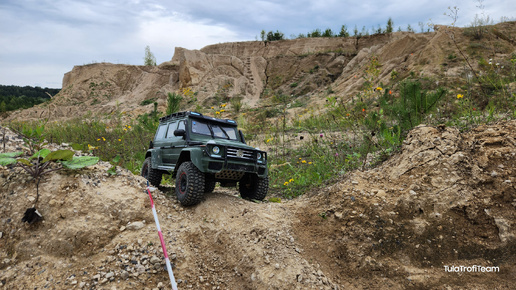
(447, 199)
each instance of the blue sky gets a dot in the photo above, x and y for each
(41, 40)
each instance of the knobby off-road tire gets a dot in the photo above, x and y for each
(253, 187)
(189, 184)
(152, 175)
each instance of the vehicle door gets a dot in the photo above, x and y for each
(177, 142)
(159, 142)
(168, 144)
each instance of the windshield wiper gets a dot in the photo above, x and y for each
(226, 133)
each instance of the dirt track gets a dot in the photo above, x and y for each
(447, 199)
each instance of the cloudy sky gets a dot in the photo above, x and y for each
(41, 40)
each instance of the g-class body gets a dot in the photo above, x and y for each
(200, 151)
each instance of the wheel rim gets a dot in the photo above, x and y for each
(182, 183)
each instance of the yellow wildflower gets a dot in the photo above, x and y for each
(460, 96)
(103, 139)
(120, 140)
(223, 105)
(304, 161)
(378, 89)
(217, 113)
(286, 183)
(291, 180)
(310, 162)
(212, 108)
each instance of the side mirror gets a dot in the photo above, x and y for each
(241, 136)
(151, 145)
(180, 132)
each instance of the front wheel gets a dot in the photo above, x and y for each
(253, 187)
(152, 175)
(189, 184)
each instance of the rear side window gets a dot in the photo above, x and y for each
(162, 129)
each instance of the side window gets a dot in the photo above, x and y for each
(171, 128)
(161, 132)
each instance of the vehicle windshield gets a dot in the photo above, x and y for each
(215, 130)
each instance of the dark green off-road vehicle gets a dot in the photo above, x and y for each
(200, 151)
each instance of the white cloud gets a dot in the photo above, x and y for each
(43, 37)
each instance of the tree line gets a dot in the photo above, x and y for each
(328, 32)
(16, 97)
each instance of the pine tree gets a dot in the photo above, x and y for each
(149, 57)
(389, 26)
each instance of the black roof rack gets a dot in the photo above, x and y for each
(196, 115)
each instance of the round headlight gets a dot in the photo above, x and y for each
(215, 150)
(259, 156)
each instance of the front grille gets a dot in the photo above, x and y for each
(240, 153)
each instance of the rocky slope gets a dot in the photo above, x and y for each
(254, 70)
(447, 199)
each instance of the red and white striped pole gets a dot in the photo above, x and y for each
(167, 261)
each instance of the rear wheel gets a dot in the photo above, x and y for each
(253, 187)
(152, 175)
(189, 184)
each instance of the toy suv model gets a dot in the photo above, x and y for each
(200, 151)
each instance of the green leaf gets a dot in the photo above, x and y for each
(65, 155)
(112, 170)
(77, 146)
(4, 161)
(80, 162)
(41, 153)
(25, 161)
(116, 159)
(11, 154)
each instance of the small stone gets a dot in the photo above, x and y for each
(135, 226)
(201, 279)
(277, 266)
(104, 281)
(354, 182)
(124, 275)
(160, 285)
(140, 269)
(110, 275)
(412, 192)
(155, 260)
(96, 277)
(381, 193)
(82, 284)
(122, 228)
(1, 235)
